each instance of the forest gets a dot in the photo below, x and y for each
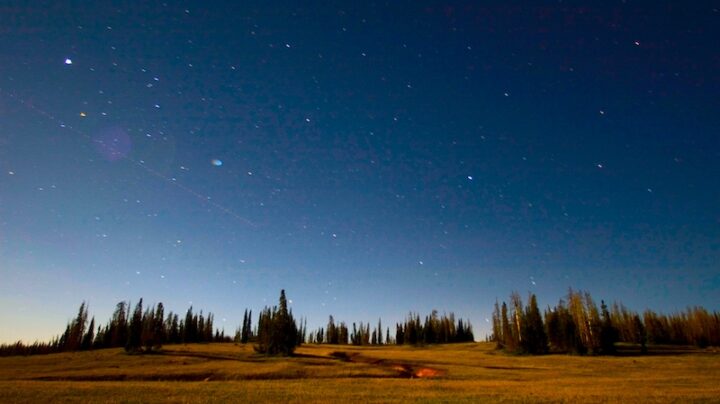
(576, 325)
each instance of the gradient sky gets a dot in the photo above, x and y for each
(370, 158)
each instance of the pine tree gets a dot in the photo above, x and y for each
(134, 341)
(399, 334)
(118, 329)
(89, 337)
(379, 332)
(73, 337)
(244, 333)
(534, 339)
(509, 340)
(200, 330)
(497, 327)
(277, 330)
(207, 331)
(640, 336)
(189, 327)
(342, 333)
(148, 329)
(331, 332)
(608, 333)
(552, 329)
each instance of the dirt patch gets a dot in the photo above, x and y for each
(428, 372)
(404, 369)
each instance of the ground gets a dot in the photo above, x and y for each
(450, 373)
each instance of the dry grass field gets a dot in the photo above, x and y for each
(451, 373)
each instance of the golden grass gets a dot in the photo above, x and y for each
(468, 373)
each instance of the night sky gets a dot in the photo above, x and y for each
(371, 158)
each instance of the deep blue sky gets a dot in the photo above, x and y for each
(370, 159)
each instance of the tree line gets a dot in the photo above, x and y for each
(577, 325)
(434, 330)
(137, 330)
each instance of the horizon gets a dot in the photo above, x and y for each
(371, 160)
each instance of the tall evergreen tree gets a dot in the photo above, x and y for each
(148, 329)
(159, 326)
(189, 327)
(534, 339)
(244, 331)
(608, 332)
(89, 337)
(277, 330)
(331, 333)
(640, 336)
(509, 340)
(73, 336)
(118, 329)
(134, 341)
(379, 332)
(497, 326)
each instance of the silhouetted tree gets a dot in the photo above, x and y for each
(509, 339)
(118, 328)
(190, 327)
(246, 327)
(379, 332)
(533, 338)
(640, 336)
(277, 331)
(89, 337)
(497, 327)
(134, 342)
(608, 333)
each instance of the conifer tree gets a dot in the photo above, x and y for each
(148, 329)
(379, 332)
(244, 330)
(640, 335)
(118, 328)
(342, 333)
(509, 340)
(277, 331)
(189, 326)
(73, 336)
(608, 333)
(89, 337)
(534, 339)
(497, 326)
(134, 341)
(332, 334)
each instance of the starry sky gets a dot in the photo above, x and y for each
(371, 158)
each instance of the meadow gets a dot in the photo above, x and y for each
(471, 372)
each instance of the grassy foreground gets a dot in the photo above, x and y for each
(452, 373)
